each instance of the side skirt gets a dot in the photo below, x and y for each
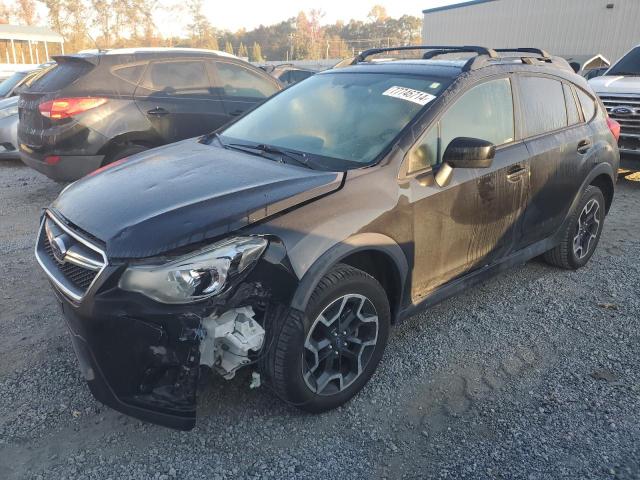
(478, 276)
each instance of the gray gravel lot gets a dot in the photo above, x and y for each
(533, 375)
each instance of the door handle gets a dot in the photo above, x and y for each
(158, 112)
(515, 172)
(236, 113)
(584, 145)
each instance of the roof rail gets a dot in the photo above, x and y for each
(537, 51)
(361, 57)
(484, 56)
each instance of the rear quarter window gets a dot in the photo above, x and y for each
(588, 105)
(130, 73)
(572, 109)
(60, 76)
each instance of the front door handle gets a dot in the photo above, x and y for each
(584, 145)
(515, 172)
(158, 112)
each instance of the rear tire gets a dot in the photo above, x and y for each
(341, 335)
(123, 151)
(582, 233)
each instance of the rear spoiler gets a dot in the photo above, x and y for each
(78, 57)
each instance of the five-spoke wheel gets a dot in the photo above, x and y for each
(339, 344)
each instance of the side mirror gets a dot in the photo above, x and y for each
(464, 152)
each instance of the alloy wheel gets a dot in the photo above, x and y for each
(339, 344)
(587, 229)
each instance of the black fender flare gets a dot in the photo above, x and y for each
(600, 169)
(357, 243)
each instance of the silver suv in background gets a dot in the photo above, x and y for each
(619, 90)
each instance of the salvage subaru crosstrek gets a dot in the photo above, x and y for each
(291, 240)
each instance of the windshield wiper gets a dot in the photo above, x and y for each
(262, 148)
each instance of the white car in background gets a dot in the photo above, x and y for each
(619, 90)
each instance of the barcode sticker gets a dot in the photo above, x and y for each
(409, 94)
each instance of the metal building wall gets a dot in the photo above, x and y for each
(563, 27)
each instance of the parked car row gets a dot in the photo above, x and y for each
(292, 239)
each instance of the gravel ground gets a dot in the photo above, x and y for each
(534, 375)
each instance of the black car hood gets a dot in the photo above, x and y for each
(184, 193)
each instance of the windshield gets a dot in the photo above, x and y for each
(7, 85)
(349, 117)
(627, 65)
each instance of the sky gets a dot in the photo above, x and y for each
(249, 14)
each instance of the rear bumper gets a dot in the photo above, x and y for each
(9, 138)
(67, 169)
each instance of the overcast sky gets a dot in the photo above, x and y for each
(251, 13)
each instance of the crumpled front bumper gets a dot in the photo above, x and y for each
(142, 358)
(137, 367)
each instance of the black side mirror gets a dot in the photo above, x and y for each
(464, 152)
(575, 66)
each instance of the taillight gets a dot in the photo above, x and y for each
(614, 127)
(68, 107)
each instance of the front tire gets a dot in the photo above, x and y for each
(321, 359)
(582, 233)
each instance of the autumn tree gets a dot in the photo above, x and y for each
(242, 51)
(256, 53)
(228, 47)
(26, 12)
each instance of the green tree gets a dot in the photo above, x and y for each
(256, 53)
(228, 47)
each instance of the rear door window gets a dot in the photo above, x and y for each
(588, 105)
(237, 81)
(543, 105)
(182, 77)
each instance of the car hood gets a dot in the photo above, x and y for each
(615, 84)
(184, 193)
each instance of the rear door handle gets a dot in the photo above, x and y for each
(158, 112)
(515, 172)
(584, 145)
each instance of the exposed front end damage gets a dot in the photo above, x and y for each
(144, 358)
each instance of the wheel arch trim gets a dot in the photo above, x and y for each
(361, 242)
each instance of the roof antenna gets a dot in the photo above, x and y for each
(95, 43)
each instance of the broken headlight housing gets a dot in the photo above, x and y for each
(196, 276)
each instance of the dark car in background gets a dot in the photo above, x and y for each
(287, 73)
(95, 108)
(9, 86)
(292, 239)
(9, 110)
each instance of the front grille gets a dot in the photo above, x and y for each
(80, 277)
(68, 258)
(624, 109)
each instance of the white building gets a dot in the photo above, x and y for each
(562, 27)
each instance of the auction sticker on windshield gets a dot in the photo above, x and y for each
(409, 94)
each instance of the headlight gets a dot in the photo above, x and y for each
(7, 112)
(196, 276)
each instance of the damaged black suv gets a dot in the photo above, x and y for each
(291, 240)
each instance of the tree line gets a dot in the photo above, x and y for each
(123, 23)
